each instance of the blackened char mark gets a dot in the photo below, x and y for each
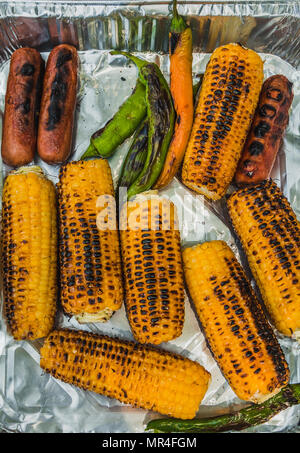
(256, 148)
(174, 40)
(58, 90)
(247, 88)
(261, 129)
(27, 69)
(63, 57)
(135, 162)
(267, 111)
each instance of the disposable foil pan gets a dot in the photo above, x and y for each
(32, 401)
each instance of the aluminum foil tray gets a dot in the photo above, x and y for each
(31, 401)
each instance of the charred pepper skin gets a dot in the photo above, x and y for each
(136, 157)
(161, 117)
(237, 421)
(105, 141)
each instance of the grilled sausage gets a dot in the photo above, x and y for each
(22, 102)
(267, 130)
(58, 105)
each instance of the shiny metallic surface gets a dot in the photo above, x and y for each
(31, 401)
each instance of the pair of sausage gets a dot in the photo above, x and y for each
(267, 130)
(40, 106)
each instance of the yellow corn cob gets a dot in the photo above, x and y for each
(270, 234)
(29, 243)
(91, 283)
(227, 102)
(236, 329)
(134, 374)
(150, 242)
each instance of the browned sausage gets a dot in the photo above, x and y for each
(58, 105)
(22, 101)
(267, 130)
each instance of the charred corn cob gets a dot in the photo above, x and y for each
(29, 245)
(134, 374)
(269, 231)
(226, 105)
(91, 283)
(150, 242)
(236, 329)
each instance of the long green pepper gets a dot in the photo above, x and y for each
(237, 421)
(105, 141)
(161, 118)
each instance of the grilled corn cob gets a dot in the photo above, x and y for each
(228, 98)
(269, 231)
(150, 242)
(29, 244)
(134, 374)
(236, 329)
(91, 284)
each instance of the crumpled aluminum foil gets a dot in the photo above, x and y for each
(32, 401)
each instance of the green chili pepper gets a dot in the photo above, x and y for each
(136, 156)
(245, 418)
(161, 116)
(106, 140)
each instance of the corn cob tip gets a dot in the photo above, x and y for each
(103, 316)
(28, 169)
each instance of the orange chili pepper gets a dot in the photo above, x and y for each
(181, 84)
